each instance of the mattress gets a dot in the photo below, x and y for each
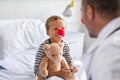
(19, 66)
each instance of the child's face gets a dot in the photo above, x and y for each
(52, 32)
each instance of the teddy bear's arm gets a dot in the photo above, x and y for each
(64, 63)
(43, 67)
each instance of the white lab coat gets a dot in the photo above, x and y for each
(102, 60)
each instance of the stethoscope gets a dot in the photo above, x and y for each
(92, 56)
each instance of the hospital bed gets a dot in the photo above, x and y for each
(19, 41)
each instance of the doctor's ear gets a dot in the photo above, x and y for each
(90, 12)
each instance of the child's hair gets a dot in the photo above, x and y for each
(52, 18)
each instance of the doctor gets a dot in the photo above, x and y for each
(102, 19)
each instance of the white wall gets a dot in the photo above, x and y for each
(42, 9)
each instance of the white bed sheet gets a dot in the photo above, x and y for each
(19, 66)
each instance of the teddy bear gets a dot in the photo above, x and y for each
(53, 61)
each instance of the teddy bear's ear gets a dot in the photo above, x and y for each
(46, 47)
(61, 45)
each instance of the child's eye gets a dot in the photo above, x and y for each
(55, 29)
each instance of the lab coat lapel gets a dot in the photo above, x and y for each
(87, 57)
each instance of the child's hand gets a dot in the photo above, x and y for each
(65, 73)
(74, 69)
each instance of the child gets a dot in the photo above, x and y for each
(53, 24)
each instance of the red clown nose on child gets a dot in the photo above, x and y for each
(60, 32)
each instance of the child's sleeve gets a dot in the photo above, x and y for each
(66, 54)
(40, 54)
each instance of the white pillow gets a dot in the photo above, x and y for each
(19, 35)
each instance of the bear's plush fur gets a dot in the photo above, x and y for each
(53, 61)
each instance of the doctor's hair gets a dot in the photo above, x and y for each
(50, 19)
(106, 8)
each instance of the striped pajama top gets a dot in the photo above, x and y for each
(40, 54)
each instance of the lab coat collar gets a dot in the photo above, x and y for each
(104, 33)
(109, 28)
